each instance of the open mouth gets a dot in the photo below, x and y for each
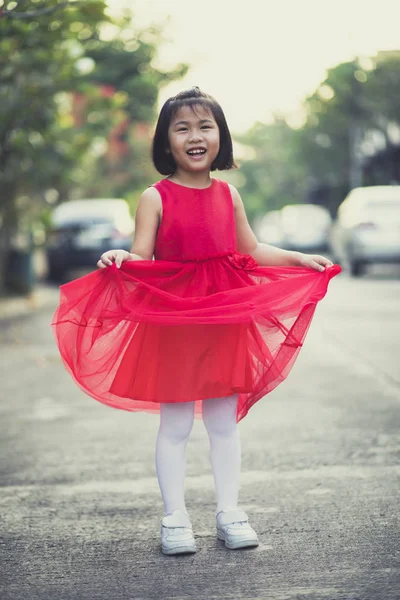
(196, 152)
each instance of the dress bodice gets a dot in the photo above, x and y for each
(196, 224)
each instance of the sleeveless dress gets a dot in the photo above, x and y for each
(200, 321)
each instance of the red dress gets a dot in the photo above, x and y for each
(200, 321)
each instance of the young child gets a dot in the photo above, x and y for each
(209, 327)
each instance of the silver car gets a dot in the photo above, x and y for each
(270, 229)
(305, 227)
(367, 228)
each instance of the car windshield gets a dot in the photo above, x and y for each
(305, 215)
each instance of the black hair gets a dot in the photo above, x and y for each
(163, 160)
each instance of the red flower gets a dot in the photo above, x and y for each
(243, 261)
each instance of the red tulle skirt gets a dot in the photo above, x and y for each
(157, 331)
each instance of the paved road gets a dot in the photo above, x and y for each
(80, 506)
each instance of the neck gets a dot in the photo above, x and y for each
(199, 180)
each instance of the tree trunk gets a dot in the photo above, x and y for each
(7, 230)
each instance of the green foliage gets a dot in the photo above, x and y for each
(66, 87)
(351, 135)
(274, 176)
(38, 59)
(42, 59)
(124, 69)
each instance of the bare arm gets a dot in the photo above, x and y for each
(265, 254)
(147, 220)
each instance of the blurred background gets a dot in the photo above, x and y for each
(311, 95)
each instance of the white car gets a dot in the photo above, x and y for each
(305, 227)
(270, 229)
(367, 228)
(83, 229)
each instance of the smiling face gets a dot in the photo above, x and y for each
(193, 136)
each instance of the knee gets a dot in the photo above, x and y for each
(176, 423)
(219, 417)
(220, 429)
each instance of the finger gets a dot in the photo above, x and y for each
(101, 265)
(118, 259)
(317, 266)
(325, 262)
(107, 262)
(322, 260)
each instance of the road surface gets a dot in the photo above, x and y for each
(80, 506)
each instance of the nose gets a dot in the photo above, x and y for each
(195, 135)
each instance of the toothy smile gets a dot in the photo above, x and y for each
(196, 151)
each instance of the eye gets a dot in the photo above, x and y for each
(182, 129)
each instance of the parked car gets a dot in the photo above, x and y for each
(305, 227)
(367, 228)
(270, 229)
(83, 229)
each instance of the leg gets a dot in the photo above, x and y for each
(219, 416)
(176, 421)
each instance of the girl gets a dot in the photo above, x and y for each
(210, 326)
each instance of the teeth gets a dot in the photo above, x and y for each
(196, 151)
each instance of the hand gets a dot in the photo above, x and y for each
(313, 261)
(117, 256)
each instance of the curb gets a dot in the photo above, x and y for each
(13, 307)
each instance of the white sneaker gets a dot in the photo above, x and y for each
(177, 534)
(234, 529)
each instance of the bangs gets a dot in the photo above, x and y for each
(194, 104)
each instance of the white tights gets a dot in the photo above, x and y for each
(176, 421)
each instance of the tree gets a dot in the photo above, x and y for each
(381, 142)
(123, 70)
(38, 59)
(274, 176)
(52, 54)
(353, 115)
(350, 136)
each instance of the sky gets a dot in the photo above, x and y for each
(262, 57)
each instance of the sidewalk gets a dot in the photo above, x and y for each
(44, 294)
(15, 306)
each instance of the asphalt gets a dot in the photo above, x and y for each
(80, 507)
